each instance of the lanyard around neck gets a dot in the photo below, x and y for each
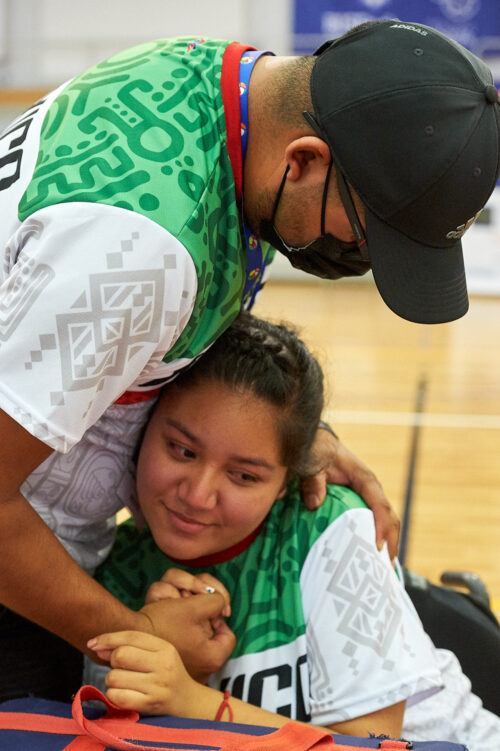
(256, 260)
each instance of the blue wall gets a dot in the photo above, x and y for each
(473, 23)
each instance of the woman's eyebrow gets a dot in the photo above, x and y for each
(253, 460)
(179, 426)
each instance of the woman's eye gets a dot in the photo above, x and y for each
(245, 477)
(180, 451)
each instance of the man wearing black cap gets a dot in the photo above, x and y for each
(409, 121)
(132, 237)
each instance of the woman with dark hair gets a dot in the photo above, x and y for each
(325, 632)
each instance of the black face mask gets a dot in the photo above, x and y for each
(326, 257)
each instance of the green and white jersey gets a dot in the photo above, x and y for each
(123, 257)
(123, 250)
(325, 631)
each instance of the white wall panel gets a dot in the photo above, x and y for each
(52, 40)
(127, 20)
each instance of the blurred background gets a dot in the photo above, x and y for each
(43, 41)
(420, 405)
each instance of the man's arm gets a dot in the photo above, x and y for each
(38, 578)
(332, 462)
(40, 581)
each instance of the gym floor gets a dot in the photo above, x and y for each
(420, 405)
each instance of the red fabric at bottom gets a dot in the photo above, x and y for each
(111, 730)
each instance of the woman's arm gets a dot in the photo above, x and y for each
(148, 675)
(387, 721)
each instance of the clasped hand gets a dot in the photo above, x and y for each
(150, 674)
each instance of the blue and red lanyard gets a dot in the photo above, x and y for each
(256, 260)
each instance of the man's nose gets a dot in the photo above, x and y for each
(198, 490)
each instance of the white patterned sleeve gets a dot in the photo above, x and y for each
(91, 297)
(366, 646)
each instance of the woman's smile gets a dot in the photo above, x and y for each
(186, 523)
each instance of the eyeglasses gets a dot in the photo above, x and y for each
(344, 192)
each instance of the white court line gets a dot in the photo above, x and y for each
(433, 420)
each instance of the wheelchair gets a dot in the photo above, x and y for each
(463, 622)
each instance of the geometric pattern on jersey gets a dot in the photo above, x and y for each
(110, 321)
(24, 288)
(85, 326)
(360, 591)
(145, 131)
(367, 614)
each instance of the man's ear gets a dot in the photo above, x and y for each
(303, 155)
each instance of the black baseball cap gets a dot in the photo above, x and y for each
(412, 119)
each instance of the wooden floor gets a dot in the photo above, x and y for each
(385, 377)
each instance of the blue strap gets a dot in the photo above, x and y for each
(256, 261)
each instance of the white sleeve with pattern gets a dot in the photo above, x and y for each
(91, 298)
(366, 645)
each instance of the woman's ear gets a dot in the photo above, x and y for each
(284, 487)
(306, 154)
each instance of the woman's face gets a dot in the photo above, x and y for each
(209, 468)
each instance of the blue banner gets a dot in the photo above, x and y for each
(473, 23)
